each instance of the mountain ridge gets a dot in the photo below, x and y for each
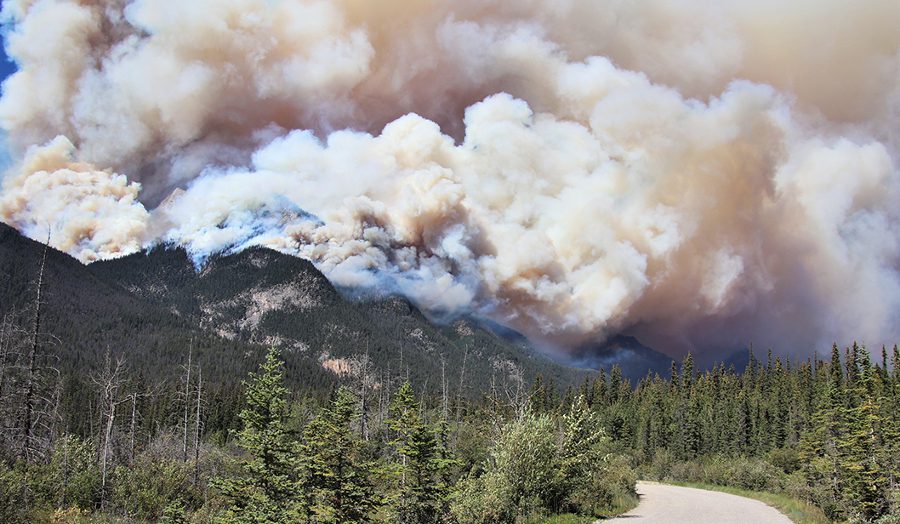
(153, 308)
(153, 304)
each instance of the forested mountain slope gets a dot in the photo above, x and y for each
(154, 308)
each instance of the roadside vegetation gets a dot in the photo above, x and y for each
(112, 446)
(341, 462)
(823, 433)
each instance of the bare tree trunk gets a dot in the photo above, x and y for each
(11, 336)
(364, 406)
(54, 416)
(6, 329)
(90, 418)
(31, 376)
(187, 404)
(462, 381)
(197, 426)
(132, 428)
(382, 395)
(445, 401)
(109, 383)
(104, 456)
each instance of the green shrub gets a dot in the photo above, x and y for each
(145, 489)
(481, 500)
(535, 469)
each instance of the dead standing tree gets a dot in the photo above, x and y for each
(31, 373)
(13, 341)
(110, 383)
(186, 399)
(198, 425)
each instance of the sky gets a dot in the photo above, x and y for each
(7, 67)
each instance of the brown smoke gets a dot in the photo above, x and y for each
(700, 174)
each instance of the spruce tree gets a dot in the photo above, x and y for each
(820, 449)
(336, 478)
(266, 490)
(862, 448)
(418, 462)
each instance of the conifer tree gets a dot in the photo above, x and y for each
(266, 489)
(336, 478)
(863, 459)
(418, 464)
(600, 392)
(820, 447)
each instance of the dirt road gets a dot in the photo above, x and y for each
(664, 504)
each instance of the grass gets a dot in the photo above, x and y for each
(796, 510)
(620, 505)
(565, 518)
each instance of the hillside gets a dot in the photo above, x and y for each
(153, 307)
(264, 297)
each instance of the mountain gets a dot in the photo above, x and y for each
(84, 316)
(154, 308)
(635, 359)
(264, 297)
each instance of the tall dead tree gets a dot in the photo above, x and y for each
(363, 395)
(198, 420)
(462, 383)
(31, 374)
(132, 427)
(13, 340)
(39, 381)
(445, 399)
(187, 402)
(110, 383)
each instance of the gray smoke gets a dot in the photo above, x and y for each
(702, 175)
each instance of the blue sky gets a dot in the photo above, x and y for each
(6, 67)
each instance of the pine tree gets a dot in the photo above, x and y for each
(600, 392)
(266, 491)
(419, 461)
(820, 447)
(336, 478)
(863, 461)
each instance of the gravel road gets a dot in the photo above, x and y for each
(664, 504)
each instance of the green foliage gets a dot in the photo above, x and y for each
(73, 477)
(174, 513)
(69, 479)
(537, 469)
(145, 489)
(336, 478)
(12, 484)
(825, 432)
(266, 490)
(418, 462)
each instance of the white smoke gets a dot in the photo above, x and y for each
(702, 176)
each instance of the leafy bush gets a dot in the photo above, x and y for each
(743, 472)
(11, 508)
(145, 489)
(536, 469)
(69, 480)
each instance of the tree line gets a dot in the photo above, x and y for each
(112, 445)
(295, 460)
(824, 431)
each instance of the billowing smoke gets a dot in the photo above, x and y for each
(700, 174)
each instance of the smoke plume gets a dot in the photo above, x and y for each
(700, 174)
